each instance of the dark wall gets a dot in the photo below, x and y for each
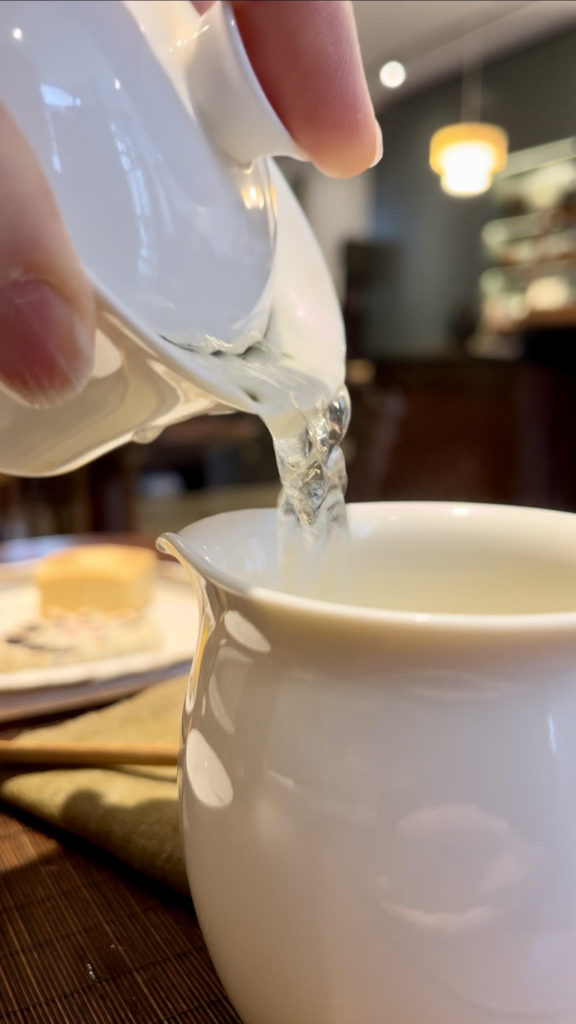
(437, 237)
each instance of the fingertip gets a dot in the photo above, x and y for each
(307, 57)
(46, 352)
(347, 159)
(379, 152)
(47, 306)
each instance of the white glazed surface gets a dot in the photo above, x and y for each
(379, 807)
(118, 139)
(228, 96)
(177, 239)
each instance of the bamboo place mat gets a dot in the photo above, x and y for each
(86, 941)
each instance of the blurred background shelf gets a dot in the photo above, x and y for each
(532, 256)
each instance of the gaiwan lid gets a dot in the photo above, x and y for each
(152, 130)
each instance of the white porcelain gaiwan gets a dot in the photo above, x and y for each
(379, 788)
(156, 138)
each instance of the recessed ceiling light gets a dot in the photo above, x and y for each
(392, 74)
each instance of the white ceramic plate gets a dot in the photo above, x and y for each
(23, 705)
(173, 608)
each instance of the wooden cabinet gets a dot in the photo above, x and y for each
(469, 430)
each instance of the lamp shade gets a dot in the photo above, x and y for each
(467, 156)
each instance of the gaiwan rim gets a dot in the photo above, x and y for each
(179, 545)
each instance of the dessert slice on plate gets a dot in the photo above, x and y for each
(94, 603)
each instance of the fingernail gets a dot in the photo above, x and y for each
(379, 145)
(45, 350)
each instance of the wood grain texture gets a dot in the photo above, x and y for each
(17, 752)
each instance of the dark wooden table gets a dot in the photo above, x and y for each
(84, 940)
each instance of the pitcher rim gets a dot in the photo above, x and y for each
(554, 622)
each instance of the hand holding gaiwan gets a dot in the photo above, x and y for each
(307, 58)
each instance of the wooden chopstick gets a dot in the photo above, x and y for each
(93, 754)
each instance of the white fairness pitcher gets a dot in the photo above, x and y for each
(378, 779)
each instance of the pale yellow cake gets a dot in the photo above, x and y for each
(108, 578)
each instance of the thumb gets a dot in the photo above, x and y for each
(47, 312)
(307, 58)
